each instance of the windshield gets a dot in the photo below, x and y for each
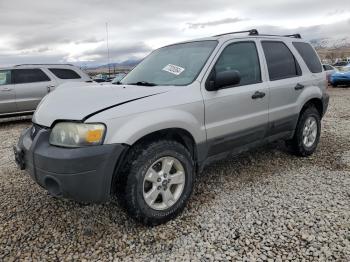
(177, 64)
(346, 69)
(118, 78)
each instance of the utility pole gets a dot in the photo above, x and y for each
(108, 58)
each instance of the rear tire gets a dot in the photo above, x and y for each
(158, 181)
(307, 132)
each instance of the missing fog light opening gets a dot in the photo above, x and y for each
(53, 187)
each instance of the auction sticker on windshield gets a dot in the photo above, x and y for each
(173, 69)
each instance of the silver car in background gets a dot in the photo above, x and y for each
(23, 86)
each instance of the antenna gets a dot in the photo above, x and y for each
(108, 58)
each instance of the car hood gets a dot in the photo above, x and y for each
(79, 102)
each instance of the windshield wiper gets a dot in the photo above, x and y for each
(142, 83)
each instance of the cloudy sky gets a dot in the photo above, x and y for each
(74, 31)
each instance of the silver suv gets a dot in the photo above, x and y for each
(181, 108)
(23, 86)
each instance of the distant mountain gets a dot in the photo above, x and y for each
(125, 64)
(331, 43)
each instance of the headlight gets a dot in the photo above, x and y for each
(70, 134)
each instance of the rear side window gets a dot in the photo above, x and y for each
(327, 67)
(22, 76)
(5, 77)
(340, 64)
(63, 73)
(281, 62)
(309, 56)
(243, 57)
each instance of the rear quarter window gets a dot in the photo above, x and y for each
(309, 56)
(63, 73)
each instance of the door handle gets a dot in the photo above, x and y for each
(299, 87)
(258, 94)
(49, 88)
(6, 89)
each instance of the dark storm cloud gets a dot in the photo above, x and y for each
(214, 23)
(89, 40)
(23, 42)
(27, 59)
(69, 30)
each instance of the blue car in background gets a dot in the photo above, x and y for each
(339, 65)
(341, 77)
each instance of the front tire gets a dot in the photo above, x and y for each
(158, 181)
(307, 133)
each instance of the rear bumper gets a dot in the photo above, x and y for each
(81, 174)
(325, 102)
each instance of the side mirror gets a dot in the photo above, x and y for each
(223, 79)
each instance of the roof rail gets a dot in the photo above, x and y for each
(255, 32)
(251, 32)
(293, 35)
(42, 64)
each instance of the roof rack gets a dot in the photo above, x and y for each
(293, 35)
(42, 64)
(253, 32)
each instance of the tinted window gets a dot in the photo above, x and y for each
(280, 61)
(62, 73)
(22, 76)
(309, 56)
(328, 67)
(242, 57)
(5, 77)
(340, 64)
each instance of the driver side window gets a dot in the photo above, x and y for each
(242, 57)
(5, 77)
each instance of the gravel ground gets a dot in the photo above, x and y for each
(262, 205)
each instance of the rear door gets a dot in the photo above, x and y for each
(7, 93)
(234, 117)
(286, 83)
(31, 85)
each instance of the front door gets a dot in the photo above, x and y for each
(7, 93)
(236, 116)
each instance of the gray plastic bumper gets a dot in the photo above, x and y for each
(82, 174)
(325, 101)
